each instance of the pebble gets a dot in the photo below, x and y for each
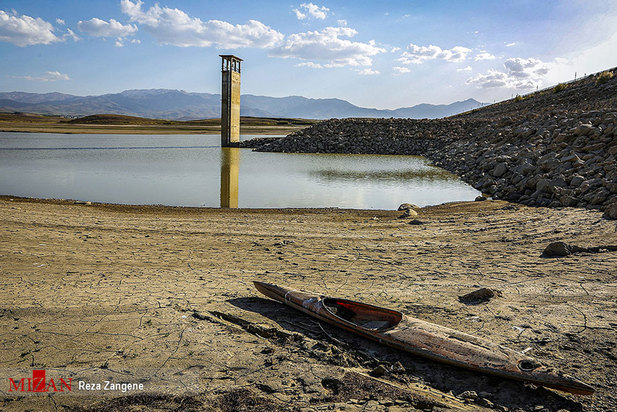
(479, 296)
(485, 402)
(469, 395)
(379, 371)
(557, 249)
(408, 213)
(406, 206)
(398, 367)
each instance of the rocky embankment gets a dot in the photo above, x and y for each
(553, 148)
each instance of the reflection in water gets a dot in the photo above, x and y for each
(426, 173)
(184, 170)
(230, 166)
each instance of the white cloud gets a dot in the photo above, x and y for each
(120, 42)
(492, 78)
(419, 54)
(400, 69)
(484, 56)
(368, 72)
(511, 44)
(464, 69)
(175, 27)
(523, 68)
(395, 49)
(25, 31)
(519, 74)
(313, 10)
(60, 21)
(342, 22)
(47, 77)
(101, 28)
(71, 34)
(327, 45)
(312, 65)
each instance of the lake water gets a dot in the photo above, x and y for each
(193, 170)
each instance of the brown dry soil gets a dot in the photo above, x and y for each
(117, 124)
(163, 296)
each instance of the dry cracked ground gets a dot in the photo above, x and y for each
(163, 297)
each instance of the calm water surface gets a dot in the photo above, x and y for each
(193, 170)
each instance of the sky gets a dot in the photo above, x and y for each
(381, 54)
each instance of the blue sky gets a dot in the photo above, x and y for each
(383, 54)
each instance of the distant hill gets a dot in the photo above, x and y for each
(116, 119)
(181, 105)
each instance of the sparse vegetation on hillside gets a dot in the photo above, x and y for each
(582, 94)
(604, 77)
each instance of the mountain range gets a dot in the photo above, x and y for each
(181, 105)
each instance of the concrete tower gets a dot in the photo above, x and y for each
(230, 100)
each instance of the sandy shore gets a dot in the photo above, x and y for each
(163, 296)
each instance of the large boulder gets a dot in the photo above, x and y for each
(611, 211)
(500, 169)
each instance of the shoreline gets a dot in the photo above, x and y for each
(157, 207)
(166, 294)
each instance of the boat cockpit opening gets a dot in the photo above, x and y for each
(365, 316)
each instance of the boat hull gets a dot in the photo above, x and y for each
(425, 339)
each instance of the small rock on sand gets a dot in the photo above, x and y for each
(479, 296)
(379, 371)
(557, 249)
(468, 395)
(408, 213)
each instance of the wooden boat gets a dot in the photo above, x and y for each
(425, 339)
